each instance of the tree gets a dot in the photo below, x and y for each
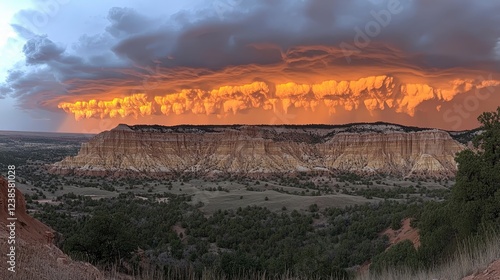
(477, 189)
(104, 238)
(313, 208)
(475, 200)
(396, 222)
(400, 256)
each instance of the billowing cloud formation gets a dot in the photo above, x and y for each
(374, 93)
(40, 50)
(135, 105)
(271, 55)
(223, 100)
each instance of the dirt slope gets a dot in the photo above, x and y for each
(36, 256)
(492, 272)
(406, 232)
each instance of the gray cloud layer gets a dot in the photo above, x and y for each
(272, 38)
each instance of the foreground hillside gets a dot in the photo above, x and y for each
(361, 148)
(36, 256)
(473, 261)
(492, 272)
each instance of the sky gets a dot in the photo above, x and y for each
(86, 66)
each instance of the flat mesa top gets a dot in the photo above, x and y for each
(316, 130)
(378, 126)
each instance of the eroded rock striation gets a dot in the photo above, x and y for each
(376, 147)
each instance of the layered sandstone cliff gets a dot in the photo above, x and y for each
(262, 149)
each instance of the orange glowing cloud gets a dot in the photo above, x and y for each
(373, 92)
(135, 105)
(222, 100)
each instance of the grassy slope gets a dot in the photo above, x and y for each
(472, 257)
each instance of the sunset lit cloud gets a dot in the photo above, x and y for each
(374, 93)
(135, 105)
(256, 62)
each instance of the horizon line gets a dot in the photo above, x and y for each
(239, 124)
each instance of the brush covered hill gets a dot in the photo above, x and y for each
(36, 255)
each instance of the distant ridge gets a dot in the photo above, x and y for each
(321, 126)
(463, 136)
(260, 149)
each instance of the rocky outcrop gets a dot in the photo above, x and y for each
(36, 257)
(28, 229)
(265, 149)
(423, 152)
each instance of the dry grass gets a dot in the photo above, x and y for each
(206, 275)
(472, 257)
(40, 262)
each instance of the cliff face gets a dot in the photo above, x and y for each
(416, 152)
(255, 149)
(28, 229)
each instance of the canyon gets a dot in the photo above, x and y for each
(243, 149)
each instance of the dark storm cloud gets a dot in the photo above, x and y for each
(292, 36)
(126, 21)
(446, 33)
(40, 49)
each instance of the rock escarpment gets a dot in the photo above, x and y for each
(28, 229)
(266, 149)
